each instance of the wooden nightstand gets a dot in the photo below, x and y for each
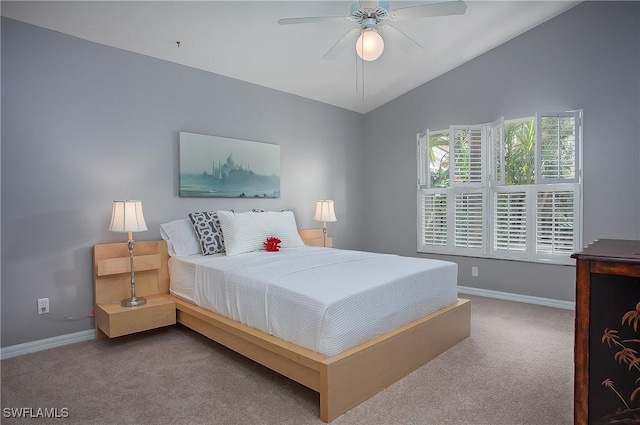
(115, 320)
(112, 284)
(314, 237)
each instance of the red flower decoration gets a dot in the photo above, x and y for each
(272, 244)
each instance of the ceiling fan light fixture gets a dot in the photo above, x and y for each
(370, 44)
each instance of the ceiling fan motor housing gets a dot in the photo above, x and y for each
(369, 23)
(360, 13)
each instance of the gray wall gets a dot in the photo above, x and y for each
(85, 124)
(589, 58)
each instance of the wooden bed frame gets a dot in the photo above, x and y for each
(343, 381)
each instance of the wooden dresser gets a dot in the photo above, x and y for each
(607, 332)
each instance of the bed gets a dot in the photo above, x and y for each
(323, 299)
(343, 372)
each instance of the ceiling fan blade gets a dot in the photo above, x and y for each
(456, 7)
(396, 37)
(312, 20)
(341, 44)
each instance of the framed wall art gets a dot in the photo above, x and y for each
(220, 167)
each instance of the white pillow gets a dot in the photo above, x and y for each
(181, 238)
(248, 231)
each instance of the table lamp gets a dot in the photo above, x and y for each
(324, 213)
(127, 217)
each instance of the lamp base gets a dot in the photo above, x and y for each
(133, 302)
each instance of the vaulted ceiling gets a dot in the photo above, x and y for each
(243, 40)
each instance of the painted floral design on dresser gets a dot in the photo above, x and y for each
(625, 345)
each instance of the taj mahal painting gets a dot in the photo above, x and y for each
(220, 167)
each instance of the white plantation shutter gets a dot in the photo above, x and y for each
(557, 142)
(556, 219)
(467, 150)
(472, 211)
(510, 220)
(432, 216)
(469, 220)
(434, 220)
(497, 152)
(423, 159)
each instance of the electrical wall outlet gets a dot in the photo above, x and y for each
(474, 271)
(43, 305)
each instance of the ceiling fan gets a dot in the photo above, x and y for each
(369, 15)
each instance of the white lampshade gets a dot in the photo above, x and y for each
(370, 44)
(325, 211)
(127, 216)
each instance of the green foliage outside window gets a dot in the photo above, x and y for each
(439, 159)
(519, 152)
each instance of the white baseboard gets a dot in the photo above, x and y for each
(45, 344)
(58, 341)
(549, 302)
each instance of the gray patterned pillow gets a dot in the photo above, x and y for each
(207, 227)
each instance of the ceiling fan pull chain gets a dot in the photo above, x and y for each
(362, 62)
(356, 68)
(363, 80)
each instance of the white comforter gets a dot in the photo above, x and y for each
(324, 299)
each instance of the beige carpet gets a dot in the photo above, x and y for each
(516, 368)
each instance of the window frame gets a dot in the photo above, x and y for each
(491, 185)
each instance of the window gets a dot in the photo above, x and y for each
(507, 189)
